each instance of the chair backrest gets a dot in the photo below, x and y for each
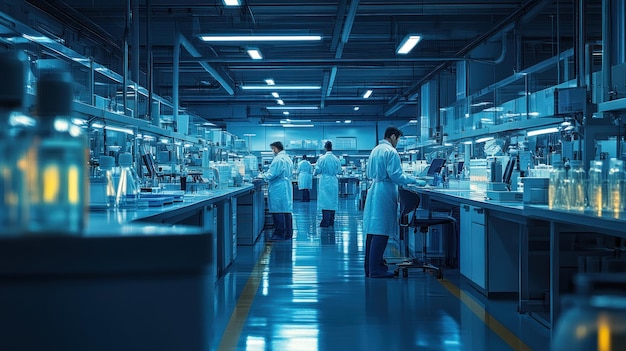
(409, 201)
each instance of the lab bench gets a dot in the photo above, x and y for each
(129, 281)
(529, 251)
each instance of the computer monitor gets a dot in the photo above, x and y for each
(435, 166)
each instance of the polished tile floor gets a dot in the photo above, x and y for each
(311, 294)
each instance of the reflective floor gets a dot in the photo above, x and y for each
(311, 294)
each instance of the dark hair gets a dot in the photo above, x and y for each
(304, 157)
(328, 146)
(391, 130)
(278, 145)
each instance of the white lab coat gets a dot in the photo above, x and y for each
(279, 190)
(329, 166)
(380, 215)
(305, 175)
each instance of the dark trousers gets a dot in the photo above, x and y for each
(283, 226)
(306, 195)
(376, 261)
(328, 218)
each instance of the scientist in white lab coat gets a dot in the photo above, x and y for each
(305, 178)
(380, 215)
(329, 166)
(280, 192)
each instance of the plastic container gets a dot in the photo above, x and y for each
(14, 146)
(596, 317)
(59, 203)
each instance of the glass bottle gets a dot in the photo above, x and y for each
(596, 319)
(59, 203)
(577, 182)
(616, 178)
(13, 148)
(594, 190)
(557, 194)
(128, 185)
(102, 188)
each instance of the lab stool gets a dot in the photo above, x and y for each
(409, 203)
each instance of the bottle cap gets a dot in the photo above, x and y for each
(107, 162)
(12, 74)
(126, 159)
(55, 93)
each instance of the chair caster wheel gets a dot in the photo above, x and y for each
(405, 273)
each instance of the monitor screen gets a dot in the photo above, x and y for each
(435, 166)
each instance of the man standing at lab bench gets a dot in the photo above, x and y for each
(280, 192)
(329, 166)
(380, 216)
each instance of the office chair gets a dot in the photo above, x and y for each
(409, 202)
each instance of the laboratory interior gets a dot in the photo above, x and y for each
(136, 174)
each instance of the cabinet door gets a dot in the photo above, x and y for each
(479, 247)
(465, 241)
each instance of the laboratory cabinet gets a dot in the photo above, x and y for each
(472, 246)
(489, 250)
(250, 216)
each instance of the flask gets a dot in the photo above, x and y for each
(594, 191)
(128, 184)
(577, 182)
(61, 184)
(596, 319)
(557, 195)
(13, 148)
(616, 178)
(102, 188)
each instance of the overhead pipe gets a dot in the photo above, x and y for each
(607, 21)
(474, 43)
(345, 35)
(580, 44)
(181, 41)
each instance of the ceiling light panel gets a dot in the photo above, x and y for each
(281, 87)
(408, 43)
(252, 38)
(255, 54)
(367, 94)
(232, 2)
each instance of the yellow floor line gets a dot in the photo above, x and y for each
(487, 318)
(240, 313)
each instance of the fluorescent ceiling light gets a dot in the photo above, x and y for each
(281, 87)
(290, 121)
(280, 102)
(269, 81)
(367, 94)
(255, 54)
(408, 43)
(413, 121)
(232, 2)
(482, 140)
(293, 107)
(298, 125)
(275, 94)
(347, 121)
(286, 113)
(261, 37)
(542, 131)
(356, 108)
